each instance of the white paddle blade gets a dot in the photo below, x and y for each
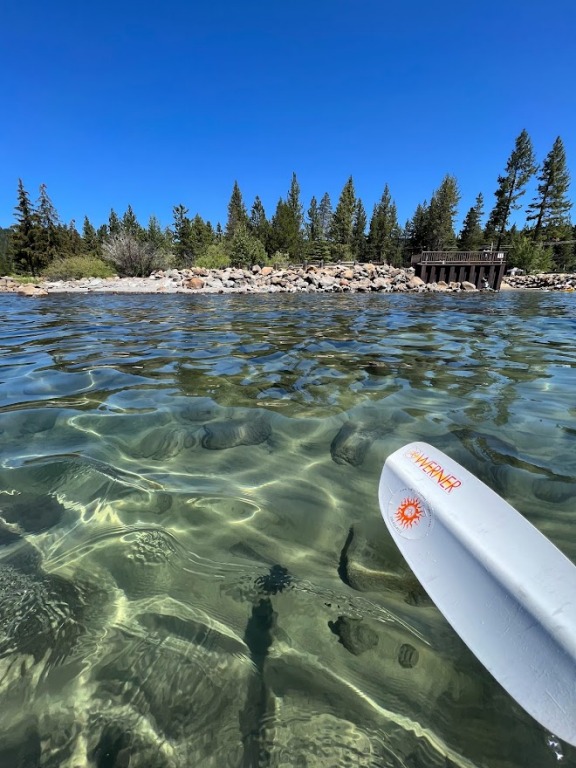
(504, 587)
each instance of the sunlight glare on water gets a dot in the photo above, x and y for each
(193, 566)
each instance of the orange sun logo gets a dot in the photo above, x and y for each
(409, 512)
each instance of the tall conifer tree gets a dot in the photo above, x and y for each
(6, 262)
(201, 235)
(259, 226)
(182, 228)
(360, 221)
(130, 224)
(24, 233)
(319, 216)
(342, 223)
(237, 214)
(114, 223)
(325, 216)
(416, 231)
(314, 223)
(551, 207)
(441, 215)
(47, 241)
(471, 237)
(285, 234)
(384, 234)
(90, 242)
(160, 239)
(520, 168)
(286, 226)
(71, 239)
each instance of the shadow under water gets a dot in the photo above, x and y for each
(193, 566)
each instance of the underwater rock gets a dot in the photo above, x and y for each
(195, 631)
(234, 432)
(8, 535)
(119, 740)
(20, 746)
(408, 656)
(367, 564)
(142, 562)
(352, 443)
(113, 748)
(362, 565)
(152, 547)
(356, 636)
(180, 691)
(162, 443)
(552, 490)
(31, 513)
(42, 614)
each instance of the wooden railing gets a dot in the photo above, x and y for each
(458, 257)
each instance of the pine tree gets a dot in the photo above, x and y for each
(325, 216)
(285, 234)
(237, 215)
(317, 225)
(384, 234)
(183, 249)
(24, 252)
(74, 240)
(47, 234)
(441, 214)
(551, 207)
(245, 250)
(130, 224)
(69, 240)
(358, 244)
(520, 168)
(160, 239)
(472, 235)
(286, 226)
(416, 230)
(293, 201)
(259, 226)
(343, 219)
(90, 243)
(6, 263)
(201, 235)
(102, 235)
(114, 223)
(294, 207)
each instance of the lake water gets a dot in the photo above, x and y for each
(194, 571)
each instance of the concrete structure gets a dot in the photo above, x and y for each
(483, 268)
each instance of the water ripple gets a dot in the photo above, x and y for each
(193, 567)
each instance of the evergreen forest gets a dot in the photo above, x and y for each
(39, 244)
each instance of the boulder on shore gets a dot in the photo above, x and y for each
(310, 278)
(31, 290)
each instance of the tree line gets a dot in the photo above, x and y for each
(39, 243)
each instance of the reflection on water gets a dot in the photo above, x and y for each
(193, 567)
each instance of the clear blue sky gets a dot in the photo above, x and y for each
(160, 103)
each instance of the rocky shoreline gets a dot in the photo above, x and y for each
(332, 278)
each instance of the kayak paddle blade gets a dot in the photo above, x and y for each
(504, 587)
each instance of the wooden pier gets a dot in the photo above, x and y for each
(485, 269)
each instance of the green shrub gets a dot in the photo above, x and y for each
(133, 257)
(76, 268)
(245, 250)
(529, 256)
(279, 260)
(214, 257)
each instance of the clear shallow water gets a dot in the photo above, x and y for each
(193, 566)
